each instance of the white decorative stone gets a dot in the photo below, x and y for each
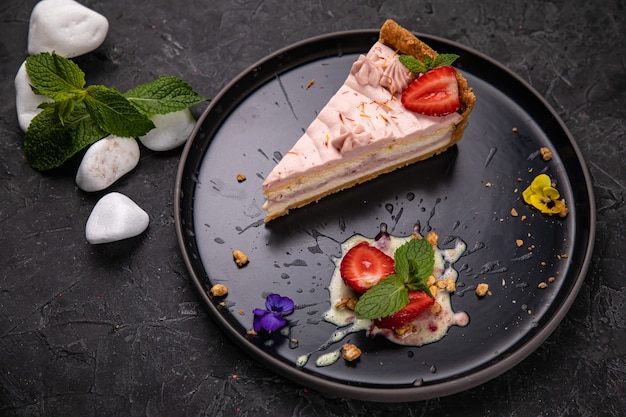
(172, 130)
(65, 27)
(26, 102)
(106, 161)
(115, 217)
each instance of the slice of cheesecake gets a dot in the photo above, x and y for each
(382, 118)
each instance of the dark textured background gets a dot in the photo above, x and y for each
(118, 330)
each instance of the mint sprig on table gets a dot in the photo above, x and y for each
(420, 67)
(78, 116)
(414, 263)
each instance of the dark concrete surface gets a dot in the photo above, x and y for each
(117, 330)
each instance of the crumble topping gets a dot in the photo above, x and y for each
(482, 289)
(218, 290)
(546, 154)
(241, 259)
(350, 352)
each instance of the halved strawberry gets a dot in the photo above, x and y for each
(419, 302)
(363, 266)
(435, 93)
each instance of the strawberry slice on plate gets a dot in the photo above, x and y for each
(434, 93)
(363, 266)
(419, 302)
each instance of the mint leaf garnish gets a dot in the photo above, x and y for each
(114, 114)
(164, 95)
(420, 67)
(79, 115)
(49, 142)
(444, 59)
(413, 64)
(385, 298)
(54, 76)
(414, 262)
(419, 254)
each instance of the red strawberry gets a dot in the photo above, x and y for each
(419, 302)
(435, 93)
(364, 266)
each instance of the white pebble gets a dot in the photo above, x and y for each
(65, 27)
(172, 130)
(106, 161)
(26, 102)
(115, 217)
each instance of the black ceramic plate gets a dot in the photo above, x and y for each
(466, 192)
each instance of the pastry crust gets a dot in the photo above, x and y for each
(402, 40)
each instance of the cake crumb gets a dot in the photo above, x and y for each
(435, 309)
(433, 289)
(310, 84)
(433, 238)
(218, 290)
(350, 352)
(546, 154)
(406, 329)
(431, 280)
(347, 302)
(241, 177)
(542, 285)
(551, 279)
(514, 129)
(241, 259)
(514, 212)
(519, 243)
(482, 289)
(251, 332)
(242, 313)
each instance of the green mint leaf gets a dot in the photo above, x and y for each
(420, 67)
(421, 252)
(413, 64)
(84, 129)
(164, 95)
(48, 142)
(65, 109)
(428, 62)
(54, 76)
(80, 116)
(115, 114)
(417, 282)
(383, 299)
(444, 59)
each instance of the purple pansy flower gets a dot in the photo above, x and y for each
(272, 318)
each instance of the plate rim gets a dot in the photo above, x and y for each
(382, 394)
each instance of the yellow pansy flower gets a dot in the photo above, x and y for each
(544, 197)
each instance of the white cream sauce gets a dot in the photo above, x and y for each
(428, 328)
